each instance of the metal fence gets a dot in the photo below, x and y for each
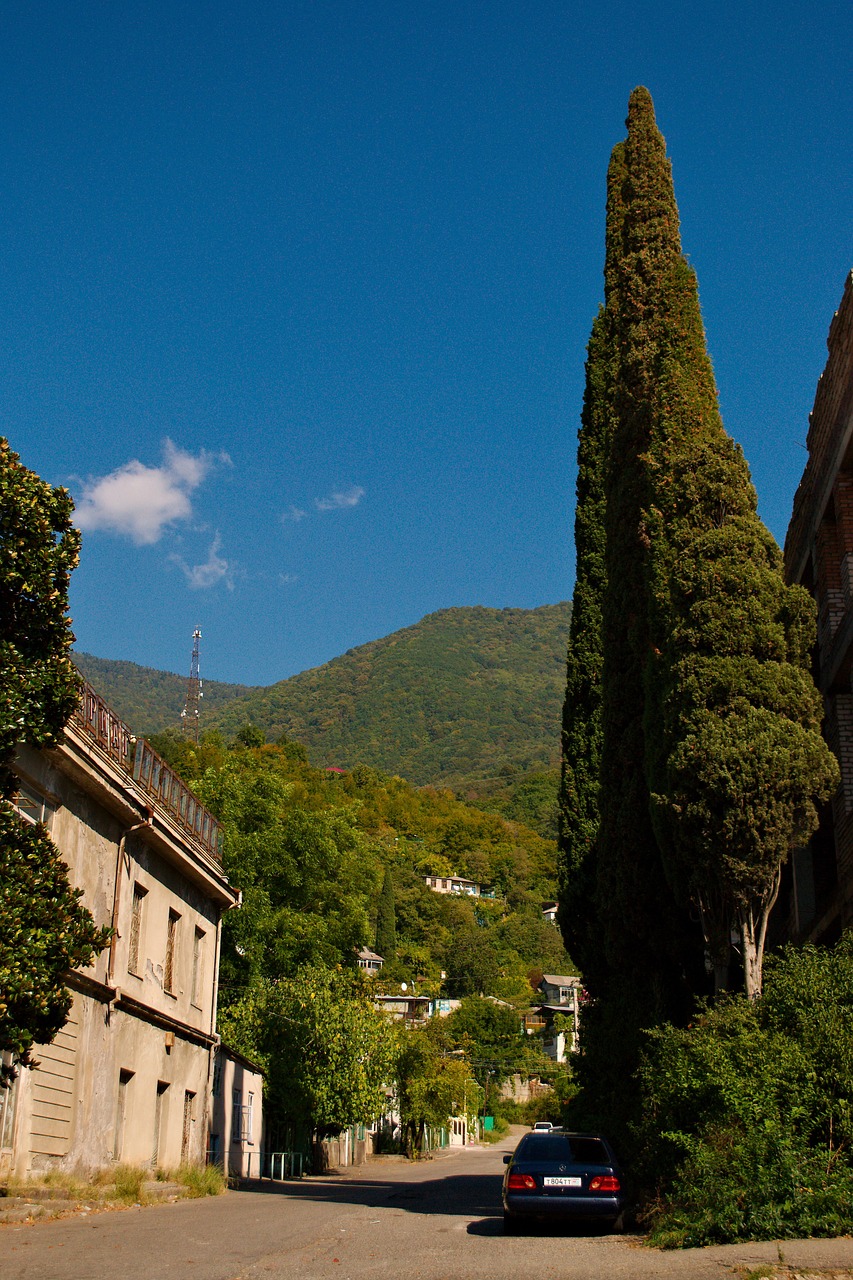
(275, 1165)
(139, 759)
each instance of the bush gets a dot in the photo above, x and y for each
(747, 1114)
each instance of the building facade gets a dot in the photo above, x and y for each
(128, 1078)
(816, 897)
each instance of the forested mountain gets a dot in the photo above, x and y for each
(467, 697)
(148, 699)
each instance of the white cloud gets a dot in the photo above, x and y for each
(140, 501)
(214, 569)
(338, 501)
(294, 514)
(285, 579)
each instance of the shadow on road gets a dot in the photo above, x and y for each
(464, 1194)
(477, 1196)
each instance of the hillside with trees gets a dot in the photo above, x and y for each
(468, 698)
(149, 700)
(329, 862)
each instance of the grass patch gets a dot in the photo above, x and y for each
(200, 1179)
(129, 1183)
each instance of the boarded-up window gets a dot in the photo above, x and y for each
(32, 805)
(198, 966)
(53, 1094)
(186, 1135)
(161, 1115)
(135, 945)
(171, 952)
(124, 1079)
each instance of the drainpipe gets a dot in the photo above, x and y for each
(120, 860)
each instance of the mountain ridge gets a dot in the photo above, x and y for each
(467, 693)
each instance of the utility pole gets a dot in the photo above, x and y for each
(190, 713)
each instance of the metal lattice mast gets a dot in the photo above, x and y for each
(190, 713)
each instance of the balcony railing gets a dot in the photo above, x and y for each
(141, 762)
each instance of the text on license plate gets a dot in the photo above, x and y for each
(561, 1182)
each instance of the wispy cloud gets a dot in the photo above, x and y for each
(293, 515)
(215, 568)
(285, 579)
(339, 501)
(138, 501)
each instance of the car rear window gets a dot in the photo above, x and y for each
(563, 1148)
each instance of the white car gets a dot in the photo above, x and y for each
(542, 1126)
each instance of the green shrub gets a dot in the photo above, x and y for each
(747, 1116)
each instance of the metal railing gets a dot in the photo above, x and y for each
(275, 1165)
(141, 762)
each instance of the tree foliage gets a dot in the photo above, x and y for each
(580, 781)
(327, 1053)
(432, 1086)
(747, 1114)
(44, 929)
(386, 918)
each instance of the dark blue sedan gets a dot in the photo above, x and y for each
(562, 1176)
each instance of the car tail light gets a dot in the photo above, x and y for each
(604, 1183)
(520, 1182)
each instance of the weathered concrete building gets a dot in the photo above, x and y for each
(235, 1142)
(816, 901)
(129, 1077)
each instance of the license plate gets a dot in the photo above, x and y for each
(561, 1182)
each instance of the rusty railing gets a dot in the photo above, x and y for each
(141, 762)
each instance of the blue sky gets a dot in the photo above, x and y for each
(296, 295)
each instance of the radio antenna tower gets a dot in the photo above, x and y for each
(190, 713)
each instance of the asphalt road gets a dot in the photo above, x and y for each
(438, 1220)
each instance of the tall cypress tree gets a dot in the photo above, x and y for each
(712, 757)
(645, 933)
(386, 919)
(581, 735)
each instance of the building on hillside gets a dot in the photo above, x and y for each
(454, 884)
(405, 1007)
(368, 961)
(558, 1016)
(235, 1142)
(549, 911)
(559, 988)
(816, 897)
(128, 1077)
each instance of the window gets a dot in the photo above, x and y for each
(8, 1103)
(217, 1076)
(237, 1115)
(198, 966)
(124, 1079)
(32, 806)
(135, 928)
(186, 1135)
(250, 1117)
(171, 953)
(161, 1112)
